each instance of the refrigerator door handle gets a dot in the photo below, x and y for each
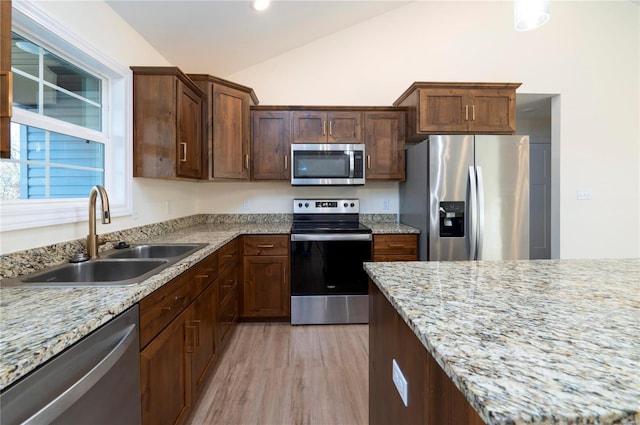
(480, 206)
(472, 210)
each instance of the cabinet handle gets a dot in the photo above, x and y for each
(324, 128)
(473, 112)
(368, 162)
(391, 245)
(246, 161)
(286, 162)
(466, 112)
(190, 345)
(202, 276)
(184, 152)
(228, 255)
(265, 246)
(330, 128)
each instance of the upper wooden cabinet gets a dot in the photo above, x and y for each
(227, 112)
(384, 145)
(167, 124)
(270, 145)
(6, 88)
(456, 108)
(323, 126)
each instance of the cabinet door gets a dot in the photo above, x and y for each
(202, 326)
(165, 376)
(189, 148)
(443, 110)
(384, 139)
(266, 287)
(230, 133)
(271, 142)
(227, 306)
(309, 127)
(492, 111)
(344, 127)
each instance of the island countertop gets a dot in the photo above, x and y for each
(528, 342)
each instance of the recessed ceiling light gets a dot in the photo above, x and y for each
(260, 4)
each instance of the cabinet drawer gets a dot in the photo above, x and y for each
(266, 245)
(395, 245)
(205, 272)
(227, 282)
(159, 308)
(228, 255)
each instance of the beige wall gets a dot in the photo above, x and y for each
(588, 53)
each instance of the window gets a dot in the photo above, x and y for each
(70, 126)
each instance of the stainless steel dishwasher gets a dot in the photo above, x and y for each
(96, 381)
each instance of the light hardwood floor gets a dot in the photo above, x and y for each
(275, 373)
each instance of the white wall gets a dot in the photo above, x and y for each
(588, 53)
(101, 26)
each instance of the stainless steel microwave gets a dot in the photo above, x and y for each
(329, 164)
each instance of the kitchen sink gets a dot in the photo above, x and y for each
(100, 272)
(157, 251)
(121, 267)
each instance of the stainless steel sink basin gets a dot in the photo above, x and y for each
(101, 272)
(157, 251)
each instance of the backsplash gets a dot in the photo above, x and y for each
(31, 260)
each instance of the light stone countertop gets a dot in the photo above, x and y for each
(38, 323)
(528, 342)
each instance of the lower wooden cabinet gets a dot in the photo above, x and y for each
(165, 375)
(265, 289)
(433, 399)
(184, 325)
(395, 247)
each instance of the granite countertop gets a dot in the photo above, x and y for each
(38, 323)
(528, 342)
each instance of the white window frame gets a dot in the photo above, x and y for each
(31, 21)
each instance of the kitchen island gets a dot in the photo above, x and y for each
(520, 342)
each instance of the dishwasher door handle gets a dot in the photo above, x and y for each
(72, 394)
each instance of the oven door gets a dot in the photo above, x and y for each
(327, 264)
(327, 164)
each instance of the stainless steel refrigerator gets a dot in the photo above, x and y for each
(469, 196)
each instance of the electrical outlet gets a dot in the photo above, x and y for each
(385, 205)
(584, 195)
(167, 207)
(246, 205)
(400, 382)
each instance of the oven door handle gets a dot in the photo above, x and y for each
(330, 237)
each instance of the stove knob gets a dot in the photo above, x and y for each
(346, 204)
(299, 204)
(306, 204)
(353, 205)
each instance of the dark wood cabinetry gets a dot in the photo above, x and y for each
(167, 124)
(323, 126)
(227, 112)
(6, 78)
(396, 247)
(455, 108)
(182, 331)
(433, 398)
(270, 145)
(265, 291)
(384, 145)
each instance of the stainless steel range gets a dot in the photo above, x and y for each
(328, 247)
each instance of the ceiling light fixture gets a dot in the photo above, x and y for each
(530, 14)
(260, 4)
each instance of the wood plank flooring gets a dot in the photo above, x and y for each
(275, 373)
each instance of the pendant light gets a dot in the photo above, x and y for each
(530, 14)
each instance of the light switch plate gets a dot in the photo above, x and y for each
(584, 195)
(400, 382)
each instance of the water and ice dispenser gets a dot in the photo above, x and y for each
(452, 219)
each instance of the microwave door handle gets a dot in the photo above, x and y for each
(351, 164)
